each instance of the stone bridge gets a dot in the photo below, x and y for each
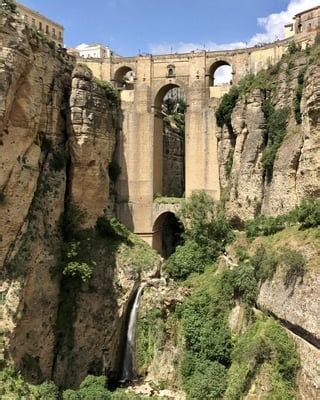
(140, 141)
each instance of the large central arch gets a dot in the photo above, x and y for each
(169, 142)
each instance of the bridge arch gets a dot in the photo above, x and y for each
(123, 78)
(217, 66)
(169, 141)
(167, 233)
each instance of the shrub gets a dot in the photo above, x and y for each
(264, 226)
(207, 382)
(110, 92)
(205, 225)
(226, 107)
(12, 384)
(298, 97)
(308, 213)
(48, 391)
(78, 269)
(58, 160)
(294, 48)
(276, 121)
(264, 263)
(295, 263)
(92, 387)
(8, 5)
(111, 228)
(264, 341)
(205, 327)
(150, 337)
(229, 164)
(245, 283)
(187, 258)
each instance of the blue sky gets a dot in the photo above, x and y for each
(130, 26)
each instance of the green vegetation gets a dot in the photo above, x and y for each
(93, 387)
(13, 386)
(229, 164)
(45, 39)
(150, 337)
(111, 93)
(168, 200)
(265, 343)
(58, 160)
(8, 5)
(175, 110)
(207, 336)
(77, 269)
(299, 90)
(205, 328)
(276, 131)
(294, 48)
(187, 259)
(307, 215)
(226, 106)
(265, 225)
(206, 234)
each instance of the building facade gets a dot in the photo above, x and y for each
(93, 51)
(304, 27)
(41, 23)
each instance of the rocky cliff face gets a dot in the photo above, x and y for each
(57, 138)
(247, 188)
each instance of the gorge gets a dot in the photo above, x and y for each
(165, 232)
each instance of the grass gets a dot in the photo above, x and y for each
(168, 200)
(264, 345)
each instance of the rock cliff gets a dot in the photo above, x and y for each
(57, 136)
(248, 189)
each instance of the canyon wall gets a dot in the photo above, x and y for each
(246, 188)
(57, 138)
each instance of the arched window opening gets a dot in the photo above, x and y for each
(171, 71)
(220, 74)
(167, 234)
(124, 78)
(169, 142)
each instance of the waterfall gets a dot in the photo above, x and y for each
(128, 370)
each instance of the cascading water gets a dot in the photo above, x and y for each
(128, 370)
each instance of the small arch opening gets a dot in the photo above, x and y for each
(171, 71)
(167, 234)
(124, 78)
(169, 142)
(220, 74)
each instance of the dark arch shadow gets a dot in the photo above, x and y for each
(123, 78)
(167, 234)
(169, 141)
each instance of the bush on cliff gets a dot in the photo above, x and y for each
(186, 259)
(267, 344)
(308, 213)
(226, 106)
(207, 232)
(8, 5)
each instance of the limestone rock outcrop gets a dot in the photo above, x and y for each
(245, 187)
(57, 139)
(92, 142)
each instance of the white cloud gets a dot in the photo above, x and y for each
(272, 26)
(82, 46)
